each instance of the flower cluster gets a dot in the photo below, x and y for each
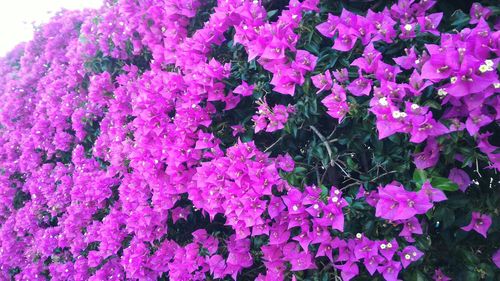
(194, 140)
(271, 119)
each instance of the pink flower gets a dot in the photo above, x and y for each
(348, 270)
(278, 234)
(285, 162)
(388, 249)
(244, 89)
(435, 195)
(237, 129)
(430, 23)
(336, 103)
(299, 260)
(424, 126)
(409, 255)
(395, 203)
(461, 178)
(322, 81)
(408, 61)
(477, 11)
(390, 270)
(496, 258)
(439, 276)
(410, 227)
(342, 75)
(305, 61)
(428, 157)
(346, 39)
(360, 86)
(480, 223)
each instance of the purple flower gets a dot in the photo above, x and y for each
(365, 249)
(293, 201)
(305, 61)
(435, 195)
(430, 22)
(395, 203)
(285, 162)
(372, 263)
(346, 39)
(428, 157)
(410, 227)
(496, 258)
(342, 75)
(237, 129)
(408, 61)
(388, 249)
(417, 84)
(424, 126)
(476, 120)
(299, 260)
(360, 86)
(461, 178)
(439, 276)
(275, 206)
(390, 270)
(328, 27)
(480, 223)
(325, 249)
(336, 103)
(244, 89)
(217, 266)
(333, 217)
(369, 61)
(477, 11)
(278, 234)
(322, 81)
(441, 63)
(409, 255)
(348, 270)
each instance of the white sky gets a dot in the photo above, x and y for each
(17, 16)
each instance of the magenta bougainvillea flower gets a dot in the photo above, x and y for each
(271, 119)
(395, 203)
(244, 89)
(435, 195)
(440, 276)
(201, 140)
(336, 102)
(479, 223)
(428, 157)
(322, 81)
(409, 255)
(461, 178)
(496, 258)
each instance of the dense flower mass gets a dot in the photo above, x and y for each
(253, 140)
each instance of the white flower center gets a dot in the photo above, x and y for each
(383, 101)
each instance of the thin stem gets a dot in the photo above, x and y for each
(279, 139)
(384, 174)
(325, 143)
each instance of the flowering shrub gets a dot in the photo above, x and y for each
(253, 140)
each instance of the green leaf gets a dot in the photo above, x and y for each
(271, 13)
(459, 19)
(299, 170)
(443, 184)
(324, 192)
(419, 177)
(433, 104)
